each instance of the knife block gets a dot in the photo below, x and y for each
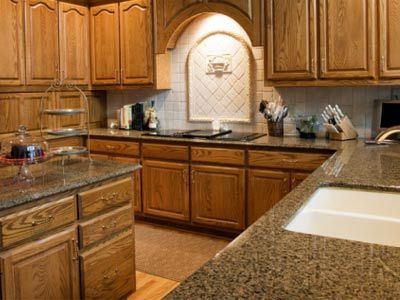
(348, 132)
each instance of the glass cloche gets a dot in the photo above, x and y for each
(24, 149)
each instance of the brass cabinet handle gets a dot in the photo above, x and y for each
(383, 61)
(109, 197)
(185, 176)
(113, 224)
(323, 65)
(313, 65)
(74, 249)
(113, 275)
(291, 161)
(47, 220)
(192, 174)
(110, 147)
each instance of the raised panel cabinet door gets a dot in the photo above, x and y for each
(218, 196)
(291, 40)
(104, 42)
(297, 178)
(12, 61)
(41, 39)
(74, 43)
(166, 189)
(265, 189)
(389, 33)
(43, 269)
(347, 38)
(136, 42)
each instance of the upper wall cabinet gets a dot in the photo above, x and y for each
(41, 38)
(389, 16)
(136, 42)
(104, 22)
(174, 15)
(291, 39)
(347, 38)
(12, 70)
(74, 43)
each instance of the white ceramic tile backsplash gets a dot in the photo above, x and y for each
(172, 106)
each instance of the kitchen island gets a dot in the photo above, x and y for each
(68, 235)
(268, 262)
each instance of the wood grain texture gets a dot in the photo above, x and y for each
(105, 197)
(104, 226)
(136, 42)
(389, 32)
(12, 71)
(10, 114)
(265, 189)
(104, 44)
(70, 100)
(218, 155)
(347, 38)
(152, 287)
(286, 160)
(108, 270)
(166, 189)
(297, 178)
(74, 43)
(218, 196)
(29, 110)
(291, 35)
(41, 39)
(43, 269)
(165, 151)
(172, 17)
(37, 220)
(115, 147)
(67, 141)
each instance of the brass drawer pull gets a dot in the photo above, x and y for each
(109, 147)
(47, 220)
(113, 224)
(112, 196)
(113, 276)
(291, 161)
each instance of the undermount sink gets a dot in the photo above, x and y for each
(358, 215)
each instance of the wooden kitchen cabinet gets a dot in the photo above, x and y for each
(74, 43)
(347, 38)
(389, 32)
(265, 189)
(218, 196)
(291, 39)
(108, 270)
(136, 42)
(166, 189)
(12, 60)
(297, 178)
(43, 269)
(41, 41)
(105, 56)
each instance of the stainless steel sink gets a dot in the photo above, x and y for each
(358, 215)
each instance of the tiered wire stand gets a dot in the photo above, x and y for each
(82, 130)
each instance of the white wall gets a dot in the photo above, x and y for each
(356, 102)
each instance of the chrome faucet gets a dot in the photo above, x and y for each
(382, 136)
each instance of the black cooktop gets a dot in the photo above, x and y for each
(224, 135)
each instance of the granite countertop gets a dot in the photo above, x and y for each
(265, 141)
(269, 262)
(52, 178)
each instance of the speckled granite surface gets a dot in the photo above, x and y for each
(269, 262)
(52, 178)
(265, 141)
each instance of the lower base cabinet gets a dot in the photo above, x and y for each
(298, 177)
(43, 269)
(166, 189)
(108, 270)
(265, 189)
(218, 196)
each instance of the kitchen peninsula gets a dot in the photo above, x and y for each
(69, 234)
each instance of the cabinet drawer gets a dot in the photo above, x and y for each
(218, 155)
(37, 220)
(115, 147)
(108, 270)
(287, 160)
(165, 151)
(105, 197)
(99, 228)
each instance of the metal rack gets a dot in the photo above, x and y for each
(82, 130)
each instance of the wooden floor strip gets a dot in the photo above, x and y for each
(150, 287)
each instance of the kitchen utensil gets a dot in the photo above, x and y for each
(337, 124)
